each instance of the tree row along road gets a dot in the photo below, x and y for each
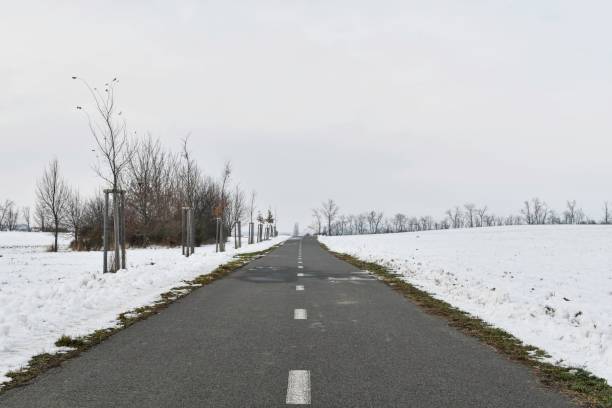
(296, 327)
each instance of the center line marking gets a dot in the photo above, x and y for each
(299, 287)
(300, 266)
(299, 314)
(300, 274)
(298, 387)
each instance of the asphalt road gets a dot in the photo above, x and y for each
(297, 326)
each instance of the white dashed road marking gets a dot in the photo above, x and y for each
(300, 266)
(298, 387)
(299, 314)
(300, 274)
(299, 287)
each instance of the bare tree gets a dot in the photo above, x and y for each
(148, 181)
(5, 209)
(190, 175)
(527, 212)
(238, 205)
(426, 222)
(540, 211)
(374, 218)
(469, 214)
(329, 210)
(12, 217)
(252, 207)
(236, 211)
(455, 217)
(570, 213)
(399, 222)
(252, 210)
(9, 214)
(482, 212)
(109, 130)
(41, 217)
(25, 213)
(75, 216)
(535, 212)
(316, 224)
(606, 218)
(553, 218)
(581, 217)
(387, 225)
(225, 177)
(53, 195)
(360, 223)
(270, 221)
(341, 225)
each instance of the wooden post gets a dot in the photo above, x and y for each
(221, 235)
(183, 232)
(105, 233)
(188, 216)
(239, 234)
(187, 231)
(236, 235)
(192, 231)
(187, 249)
(122, 226)
(217, 235)
(117, 259)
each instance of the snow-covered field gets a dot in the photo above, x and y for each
(550, 286)
(17, 241)
(44, 295)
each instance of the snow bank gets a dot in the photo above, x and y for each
(550, 286)
(44, 295)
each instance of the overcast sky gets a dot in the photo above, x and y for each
(403, 106)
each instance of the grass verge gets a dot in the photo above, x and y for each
(42, 362)
(585, 388)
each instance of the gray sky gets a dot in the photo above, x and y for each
(410, 106)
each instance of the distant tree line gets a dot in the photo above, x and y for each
(328, 220)
(158, 183)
